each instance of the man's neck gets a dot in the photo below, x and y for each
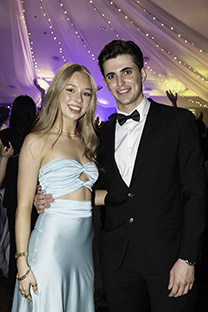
(129, 108)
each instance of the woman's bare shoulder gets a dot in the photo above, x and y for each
(35, 144)
(36, 139)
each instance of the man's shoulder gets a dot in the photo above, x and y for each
(170, 110)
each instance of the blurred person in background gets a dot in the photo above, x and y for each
(4, 230)
(23, 115)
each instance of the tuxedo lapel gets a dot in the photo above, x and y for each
(110, 139)
(150, 132)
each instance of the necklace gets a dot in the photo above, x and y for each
(75, 134)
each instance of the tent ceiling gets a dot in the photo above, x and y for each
(40, 36)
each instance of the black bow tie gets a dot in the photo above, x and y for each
(123, 118)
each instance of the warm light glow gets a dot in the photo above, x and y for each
(43, 84)
(102, 101)
(161, 23)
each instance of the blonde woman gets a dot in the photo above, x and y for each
(55, 266)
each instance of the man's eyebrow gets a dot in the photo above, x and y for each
(111, 73)
(122, 70)
(125, 68)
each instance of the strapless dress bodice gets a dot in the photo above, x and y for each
(61, 176)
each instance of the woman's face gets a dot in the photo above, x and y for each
(75, 97)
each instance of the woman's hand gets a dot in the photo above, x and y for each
(7, 151)
(26, 283)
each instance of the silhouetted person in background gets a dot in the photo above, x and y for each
(4, 231)
(23, 115)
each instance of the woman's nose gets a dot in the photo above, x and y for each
(78, 97)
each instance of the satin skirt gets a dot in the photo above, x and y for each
(60, 256)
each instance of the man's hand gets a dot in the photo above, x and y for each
(173, 98)
(181, 278)
(42, 201)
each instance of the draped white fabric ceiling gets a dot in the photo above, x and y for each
(39, 36)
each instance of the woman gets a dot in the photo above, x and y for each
(22, 118)
(55, 272)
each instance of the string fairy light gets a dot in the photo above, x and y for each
(157, 45)
(76, 31)
(37, 70)
(152, 38)
(198, 103)
(118, 36)
(172, 28)
(52, 30)
(148, 36)
(107, 21)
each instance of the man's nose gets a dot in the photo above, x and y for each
(120, 81)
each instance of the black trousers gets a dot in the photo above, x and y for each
(127, 290)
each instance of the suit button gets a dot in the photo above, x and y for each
(130, 195)
(131, 220)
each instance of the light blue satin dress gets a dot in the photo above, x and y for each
(60, 246)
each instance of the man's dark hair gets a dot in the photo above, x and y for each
(120, 47)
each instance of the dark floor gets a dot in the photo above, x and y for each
(202, 299)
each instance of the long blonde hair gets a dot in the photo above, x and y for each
(51, 111)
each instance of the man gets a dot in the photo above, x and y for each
(155, 209)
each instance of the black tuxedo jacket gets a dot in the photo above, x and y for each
(162, 213)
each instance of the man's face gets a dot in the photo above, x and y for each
(124, 81)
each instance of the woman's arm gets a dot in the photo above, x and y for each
(100, 197)
(5, 155)
(29, 164)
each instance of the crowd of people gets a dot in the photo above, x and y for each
(145, 169)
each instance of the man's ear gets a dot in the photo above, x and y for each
(143, 74)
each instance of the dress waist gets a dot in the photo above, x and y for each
(66, 207)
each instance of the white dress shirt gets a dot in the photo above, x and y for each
(127, 139)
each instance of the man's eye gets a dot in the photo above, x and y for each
(128, 72)
(110, 77)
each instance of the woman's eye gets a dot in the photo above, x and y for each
(87, 94)
(69, 90)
